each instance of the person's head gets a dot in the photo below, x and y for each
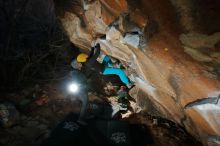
(123, 88)
(77, 63)
(82, 57)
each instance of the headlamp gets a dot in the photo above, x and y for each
(73, 87)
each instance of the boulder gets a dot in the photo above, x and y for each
(170, 73)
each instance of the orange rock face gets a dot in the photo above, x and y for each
(115, 7)
(138, 18)
(111, 9)
(171, 69)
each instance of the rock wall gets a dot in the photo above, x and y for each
(170, 59)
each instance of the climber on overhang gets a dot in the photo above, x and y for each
(106, 67)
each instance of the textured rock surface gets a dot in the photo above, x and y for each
(175, 70)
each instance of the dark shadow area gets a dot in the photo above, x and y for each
(206, 15)
(33, 47)
(108, 132)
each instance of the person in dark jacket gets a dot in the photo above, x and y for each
(80, 79)
(105, 68)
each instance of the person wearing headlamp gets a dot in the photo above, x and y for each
(77, 87)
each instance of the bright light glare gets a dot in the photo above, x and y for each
(73, 88)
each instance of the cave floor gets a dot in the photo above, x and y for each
(37, 120)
